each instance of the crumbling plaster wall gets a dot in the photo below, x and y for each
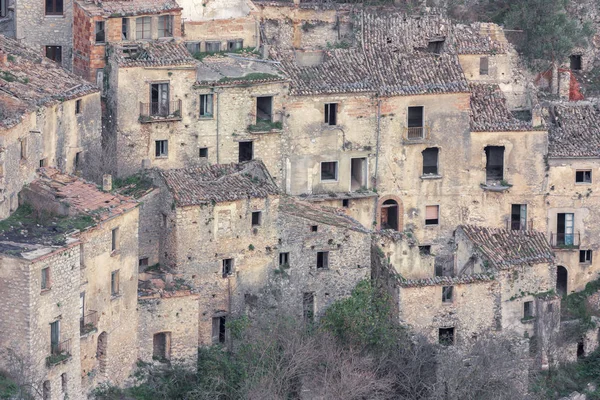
(404, 257)
(220, 10)
(222, 30)
(361, 209)
(564, 195)
(39, 30)
(177, 315)
(117, 314)
(150, 226)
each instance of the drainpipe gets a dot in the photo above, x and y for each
(377, 156)
(217, 92)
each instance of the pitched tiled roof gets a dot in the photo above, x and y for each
(479, 39)
(489, 112)
(218, 183)
(156, 53)
(29, 81)
(445, 280)
(322, 215)
(384, 72)
(233, 69)
(574, 131)
(123, 8)
(507, 248)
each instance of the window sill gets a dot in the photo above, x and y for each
(115, 296)
(100, 44)
(432, 225)
(431, 177)
(206, 117)
(115, 253)
(44, 291)
(494, 188)
(583, 183)
(528, 320)
(54, 16)
(329, 181)
(161, 157)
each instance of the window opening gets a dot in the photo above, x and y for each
(358, 173)
(165, 26)
(322, 260)
(561, 280)
(483, 66)
(331, 114)
(233, 45)
(246, 151)
(206, 105)
(143, 28)
(213, 47)
(45, 278)
(576, 62)
(99, 32)
(308, 307)
(284, 259)
(494, 166)
(162, 148)
(54, 7)
(432, 215)
(415, 122)
(125, 29)
(55, 337)
(346, 203)
(3, 8)
(159, 99)
(565, 235)
(389, 215)
(143, 263)
(114, 239)
(314, 228)
(585, 256)
(329, 171)
(78, 157)
(63, 382)
(227, 267)
(23, 144)
(161, 346)
(114, 283)
(446, 336)
(436, 46)
(584, 176)
(425, 250)
(54, 53)
(256, 218)
(528, 310)
(580, 348)
(219, 329)
(264, 109)
(193, 47)
(203, 152)
(430, 161)
(447, 292)
(518, 217)
(78, 106)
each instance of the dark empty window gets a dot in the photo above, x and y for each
(114, 283)
(494, 166)
(447, 292)
(161, 346)
(162, 148)
(256, 218)
(575, 61)
(227, 267)
(580, 348)
(550, 307)
(264, 108)
(100, 32)
(518, 217)
(43, 162)
(45, 278)
(63, 382)
(213, 47)
(193, 47)
(528, 309)
(425, 250)
(203, 152)
(329, 171)
(77, 106)
(345, 203)
(78, 160)
(435, 46)
(125, 29)
(331, 114)
(415, 122)
(206, 105)
(483, 66)
(245, 151)
(430, 161)
(583, 176)
(314, 228)
(114, 239)
(219, 329)
(446, 336)
(322, 260)
(143, 262)
(432, 215)
(233, 45)
(585, 256)
(308, 307)
(284, 259)
(3, 8)
(159, 99)
(54, 7)
(54, 53)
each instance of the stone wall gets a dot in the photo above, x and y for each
(39, 30)
(150, 227)
(222, 30)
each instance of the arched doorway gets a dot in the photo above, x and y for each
(101, 355)
(389, 215)
(561, 280)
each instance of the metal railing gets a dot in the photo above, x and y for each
(416, 132)
(565, 240)
(88, 322)
(160, 110)
(59, 352)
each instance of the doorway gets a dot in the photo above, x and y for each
(246, 150)
(562, 276)
(389, 215)
(564, 229)
(358, 174)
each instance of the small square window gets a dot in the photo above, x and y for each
(43, 162)
(322, 260)
(346, 203)
(203, 153)
(284, 259)
(46, 278)
(233, 45)
(432, 215)
(447, 292)
(143, 262)
(114, 283)
(585, 256)
(256, 218)
(78, 106)
(100, 32)
(314, 228)
(162, 148)
(54, 7)
(425, 250)
(584, 176)
(446, 336)
(528, 310)
(329, 171)
(227, 267)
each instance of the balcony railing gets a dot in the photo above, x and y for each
(565, 240)
(170, 110)
(59, 352)
(88, 323)
(416, 132)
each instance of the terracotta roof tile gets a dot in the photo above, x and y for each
(218, 183)
(445, 280)
(489, 112)
(153, 54)
(122, 8)
(28, 81)
(504, 249)
(574, 131)
(470, 40)
(327, 216)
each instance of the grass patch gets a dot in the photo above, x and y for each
(254, 76)
(202, 55)
(8, 387)
(264, 126)
(575, 306)
(134, 186)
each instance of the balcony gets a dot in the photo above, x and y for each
(160, 112)
(416, 133)
(60, 352)
(565, 241)
(88, 323)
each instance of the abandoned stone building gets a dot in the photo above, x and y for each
(69, 258)
(48, 117)
(45, 26)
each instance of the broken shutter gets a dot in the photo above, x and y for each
(523, 217)
(569, 229)
(431, 212)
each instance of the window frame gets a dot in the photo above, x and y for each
(235, 42)
(161, 148)
(227, 267)
(432, 150)
(331, 117)
(484, 67)
(47, 12)
(447, 294)
(324, 260)
(144, 35)
(197, 47)
(114, 240)
(3, 8)
(583, 180)
(78, 106)
(258, 222)
(202, 150)
(587, 254)
(56, 50)
(284, 258)
(491, 169)
(528, 310)
(336, 172)
(443, 339)
(165, 24)
(45, 282)
(115, 283)
(219, 336)
(125, 28)
(437, 223)
(97, 32)
(207, 109)
(212, 43)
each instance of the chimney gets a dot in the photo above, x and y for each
(107, 182)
